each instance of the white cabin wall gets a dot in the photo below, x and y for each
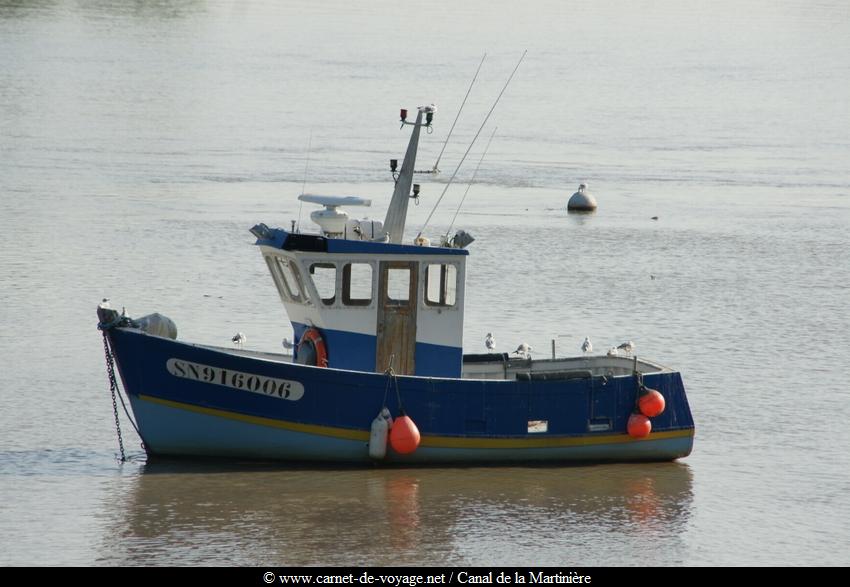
(439, 325)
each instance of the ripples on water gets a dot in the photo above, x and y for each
(139, 142)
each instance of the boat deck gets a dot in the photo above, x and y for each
(501, 366)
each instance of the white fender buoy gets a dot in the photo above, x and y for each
(379, 433)
(581, 201)
(387, 416)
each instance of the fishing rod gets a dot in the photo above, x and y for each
(304, 185)
(486, 118)
(471, 181)
(475, 77)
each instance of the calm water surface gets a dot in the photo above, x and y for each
(140, 140)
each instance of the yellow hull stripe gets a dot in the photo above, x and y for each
(427, 440)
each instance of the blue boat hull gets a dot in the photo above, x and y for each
(198, 401)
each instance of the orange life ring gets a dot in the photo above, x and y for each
(313, 337)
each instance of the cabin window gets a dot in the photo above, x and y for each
(324, 278)
(291, 280)
(276, 277)
(441, 285)
(357, 284)
(398, 285)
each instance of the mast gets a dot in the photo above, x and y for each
(397, 211)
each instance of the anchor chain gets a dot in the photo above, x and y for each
(113, 388)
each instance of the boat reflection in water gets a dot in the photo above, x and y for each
(211, 514)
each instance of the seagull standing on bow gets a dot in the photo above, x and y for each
(490, 342)
(523, 350)
(587, 346)
(239, 339)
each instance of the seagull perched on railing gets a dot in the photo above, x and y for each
(239, 339)
(523, 350)
(627, 346)
(490, 342)
(587, 346)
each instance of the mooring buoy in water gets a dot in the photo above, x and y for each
(581, 201)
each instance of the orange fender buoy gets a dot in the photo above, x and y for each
(639, 426)
(404, 435)
(650, 402)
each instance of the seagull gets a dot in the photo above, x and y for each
(104, 305)
(612, 352)
(627, 346)
(490, 342)
(523, 350)
(288, 344)
(587, 346)
(239, 339)
(655, 218)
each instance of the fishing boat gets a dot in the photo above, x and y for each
(378, 373)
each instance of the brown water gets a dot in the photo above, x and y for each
(393, 517)
(139, 142)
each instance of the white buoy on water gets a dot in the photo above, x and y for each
(581, 201)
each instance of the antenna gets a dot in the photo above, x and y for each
(486, 118)
(471, 181)
(475, 77)
(304, 185)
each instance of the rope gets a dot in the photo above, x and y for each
(398, 395)
(392, 378)
(118, 321)
(390, 374)
(641, 388)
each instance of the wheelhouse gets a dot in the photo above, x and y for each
(381, 305)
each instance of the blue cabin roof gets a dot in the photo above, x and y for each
(292, 241)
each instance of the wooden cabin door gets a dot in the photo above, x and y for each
(397, 289)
